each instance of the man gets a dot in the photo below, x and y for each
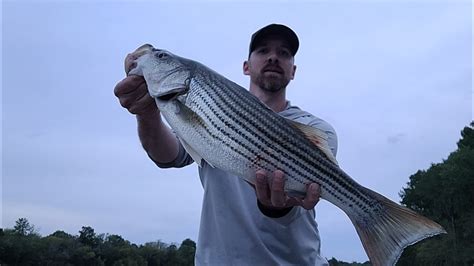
(240, 224)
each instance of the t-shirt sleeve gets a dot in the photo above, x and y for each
(182, 159)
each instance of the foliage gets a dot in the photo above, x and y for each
(334, 262)
(445, 193)
(22, 227)
(22, 246)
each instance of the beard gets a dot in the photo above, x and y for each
(271, 83)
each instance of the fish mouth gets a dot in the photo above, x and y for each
(130, 60)
(171, 95)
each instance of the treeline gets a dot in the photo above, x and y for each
(334, 262)
(445, 193)
(22, 245)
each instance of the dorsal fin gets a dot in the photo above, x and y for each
(317, 137)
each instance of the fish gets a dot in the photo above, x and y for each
(221, 123)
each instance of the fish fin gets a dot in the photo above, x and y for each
(386, 232)
(193, 118)
(317, 137)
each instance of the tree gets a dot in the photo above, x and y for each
(88, 237)
(23, 227)
(154, 253)
(171, 257)
(444, 193)
(58, 248)
(61, 234)
(18, 249)
(115, 249)
(467, 137)
(334, 262)
(186, 252)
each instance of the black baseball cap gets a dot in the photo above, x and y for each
(276, 30)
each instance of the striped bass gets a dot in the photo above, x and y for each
(221, 123)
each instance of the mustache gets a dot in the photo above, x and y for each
(272, 67)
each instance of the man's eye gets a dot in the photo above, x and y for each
(285, 53)
(262, 50)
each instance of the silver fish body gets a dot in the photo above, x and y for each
(221, 123)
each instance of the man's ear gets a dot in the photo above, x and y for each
(245, 68)
(294, 71)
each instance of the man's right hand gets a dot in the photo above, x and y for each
(133, 95)
(132, 91)
(157, 139)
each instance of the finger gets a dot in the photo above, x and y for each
(277, 190)
(130, 63)
(130, 84)
(133, 98)
(145, 104)
(131, 93)
(312, 196)
(261, 188)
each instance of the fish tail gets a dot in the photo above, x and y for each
(386, 232)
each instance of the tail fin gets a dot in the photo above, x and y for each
(385, 235)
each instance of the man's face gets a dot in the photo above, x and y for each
(271, 65)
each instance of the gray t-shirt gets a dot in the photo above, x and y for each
(234, 231)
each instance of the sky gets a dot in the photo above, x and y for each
(394, 78)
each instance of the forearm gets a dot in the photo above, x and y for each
(157, 139)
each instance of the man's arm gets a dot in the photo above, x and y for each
(157, 139)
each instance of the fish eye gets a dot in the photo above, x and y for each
(161, 55)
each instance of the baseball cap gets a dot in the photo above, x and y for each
(275, 29)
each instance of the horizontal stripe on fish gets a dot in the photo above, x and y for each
(211, 131)
(308, 167)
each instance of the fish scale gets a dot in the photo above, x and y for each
(249, 136)
(315, 172)
(221, 123)
(215, 100)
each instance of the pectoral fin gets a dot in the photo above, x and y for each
(317, 137)
(193, 119)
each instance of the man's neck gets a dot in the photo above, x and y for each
(274, 100)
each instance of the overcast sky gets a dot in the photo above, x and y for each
(394, 79)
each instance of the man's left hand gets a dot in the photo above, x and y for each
(271, 194)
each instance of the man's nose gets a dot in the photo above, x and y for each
(272, 57)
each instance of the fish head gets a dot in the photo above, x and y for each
(167, 75)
